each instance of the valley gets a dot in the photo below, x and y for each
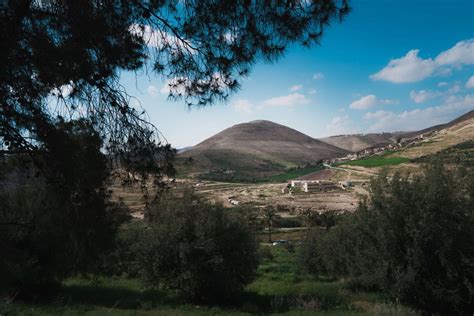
(241, 182)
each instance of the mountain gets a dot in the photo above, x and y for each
(257, 148)
(466, 117)
(358, 142)
(445, 137)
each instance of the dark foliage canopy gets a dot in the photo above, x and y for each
(62, 59)
(412, 240)
(199, 249)
(53, 227)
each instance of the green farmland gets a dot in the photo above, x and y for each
(378, 161)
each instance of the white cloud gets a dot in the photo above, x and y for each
(230, 37)
(296, 87)
(156, 38)
(369, 101)
(312, 91)
(287, 100)
(454, 89)
(423, 95)
(177, 86)
(64, 91)
(181, 85)
(341, 125)
(470, 83)
(411, 68)
(460, 54)
(318, 76)
(364, 103)
(442, 84)
(243, 105)
(152, 90)
(416, 119)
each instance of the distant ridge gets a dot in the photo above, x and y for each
(460, 119)
(358, 142)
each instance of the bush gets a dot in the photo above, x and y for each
(412, 240)
(122, 259)
(197, 248)
(54, 217)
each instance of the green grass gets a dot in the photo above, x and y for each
(278, 289)
(376, 161)
(294, 173)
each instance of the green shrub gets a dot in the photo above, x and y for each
(197, 248)
(412, 240)
(122, 259)
(288, 222)
(54, 216)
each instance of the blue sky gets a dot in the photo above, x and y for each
(391, 65)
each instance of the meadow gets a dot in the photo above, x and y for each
(280, 288)
(376, 161)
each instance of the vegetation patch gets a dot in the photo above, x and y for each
(376, 161)
(462, 152)
(294, 173)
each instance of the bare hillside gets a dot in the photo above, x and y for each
(259, 146)
(358, 142)
(444, 136)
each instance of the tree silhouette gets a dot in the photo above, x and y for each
(62, 60)
(269, 217)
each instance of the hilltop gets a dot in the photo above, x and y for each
(257, 148)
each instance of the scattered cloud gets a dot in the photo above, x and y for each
(243, 105)
(290, 100)
(423, 95)
(182, 85)
(318, 76)
(64, 90)
(152, 90)
(296, 87)
(454, 89)
(312, 91)
(442, 84)
(411, 68)
(158, 39)
(370, 101)
(230, 37)
(460, 54)
(341, 125)
(470, 83)
(416, 119)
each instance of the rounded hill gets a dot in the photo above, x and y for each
(259, 147)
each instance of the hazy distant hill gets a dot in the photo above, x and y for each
(259, 148)
(466, 117)
(442, 137)
(358, 142)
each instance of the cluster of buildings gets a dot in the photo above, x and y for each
(375, 150)
(320, 185)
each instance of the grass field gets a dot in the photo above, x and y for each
(279, 289)
(376, 161)
(293, 174)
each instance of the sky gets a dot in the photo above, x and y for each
(389, 66)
